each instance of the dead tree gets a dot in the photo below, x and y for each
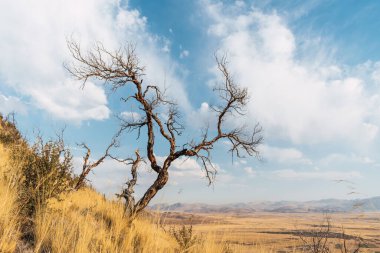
(121, 68)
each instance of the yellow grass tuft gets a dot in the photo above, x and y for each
(9, 222)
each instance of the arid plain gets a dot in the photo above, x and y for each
(282, 232)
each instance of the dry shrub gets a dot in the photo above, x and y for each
(326, 239)
(30, 176)
(47, 172)
(185, 238)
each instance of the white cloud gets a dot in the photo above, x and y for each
(184, 54)
(202, 117)
(166, 46)
(317, 175)
(240, 3)
(346, 159)
(186, 168)
(292, 99)
(241, 161)
(250, 171)
(284, 155)
(34, 47)
(11, 104)
(130, 115)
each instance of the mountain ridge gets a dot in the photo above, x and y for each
(318, 206)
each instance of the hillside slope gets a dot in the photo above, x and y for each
(34, 220)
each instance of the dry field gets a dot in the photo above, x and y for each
(279, 232)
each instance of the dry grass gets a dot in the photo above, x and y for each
(84, 221)
(77, 221)
(9, 220)
(274, 232)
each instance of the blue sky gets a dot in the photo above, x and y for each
(312, 69)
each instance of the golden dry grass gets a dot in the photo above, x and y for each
(84, 221)
(9, 220)
(274, 232)
(80, 221)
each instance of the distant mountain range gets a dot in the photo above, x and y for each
(319, 206)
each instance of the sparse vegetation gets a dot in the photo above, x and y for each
(319, 240)
(185, 237)
(34, 173)
(47, 173)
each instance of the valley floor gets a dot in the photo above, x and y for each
(281, 232)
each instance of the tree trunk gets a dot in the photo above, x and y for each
(162, 179)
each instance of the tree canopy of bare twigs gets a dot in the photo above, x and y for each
(121, 68)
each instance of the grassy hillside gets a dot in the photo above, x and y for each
(84, 221)
(36, 217)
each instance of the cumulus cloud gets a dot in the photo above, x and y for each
(250, 171)
(184, 54)
(185, 168)
(130, 115)
(317, 175)
(346, 159)
(292, 99)
(34, 47)
(11, 104)
(284, 155)
(202, 117)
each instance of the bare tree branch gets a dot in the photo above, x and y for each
(120, 68)
(88, 166)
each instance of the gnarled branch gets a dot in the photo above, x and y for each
(121, 68)
(88, 166)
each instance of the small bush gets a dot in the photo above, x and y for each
(8, 131)
(185, 238)
(47, 173)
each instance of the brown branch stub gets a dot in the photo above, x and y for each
(128, 192)
(160, 118)
(88, 166)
